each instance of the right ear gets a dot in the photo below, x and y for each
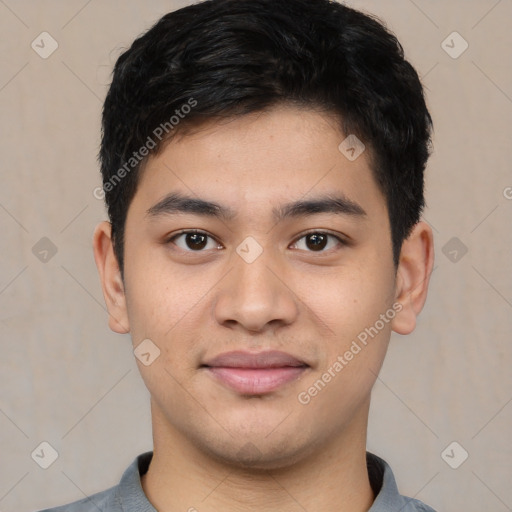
(110, 276)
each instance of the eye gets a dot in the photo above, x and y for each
(194, 241)
(317, 241)
(198, 241)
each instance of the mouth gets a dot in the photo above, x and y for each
(255, 373)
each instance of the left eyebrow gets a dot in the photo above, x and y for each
(175, 203)
(338, 204)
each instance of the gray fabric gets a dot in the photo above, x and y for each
(128, 495)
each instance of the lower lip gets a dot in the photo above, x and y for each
(256, 381)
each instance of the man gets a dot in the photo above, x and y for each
(262, 166)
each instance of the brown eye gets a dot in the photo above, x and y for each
(194, 241)
(318, 241)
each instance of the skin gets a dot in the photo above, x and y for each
(215, 449)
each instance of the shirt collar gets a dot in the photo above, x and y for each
(131, 493)
(380, 474)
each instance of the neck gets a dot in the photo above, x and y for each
(333, 477)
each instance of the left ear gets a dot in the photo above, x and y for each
(413, 275)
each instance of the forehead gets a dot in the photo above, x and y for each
(263, 159)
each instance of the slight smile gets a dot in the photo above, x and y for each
(255, 373)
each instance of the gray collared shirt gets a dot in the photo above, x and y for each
(128, 495)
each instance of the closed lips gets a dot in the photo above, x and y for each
(263, 360)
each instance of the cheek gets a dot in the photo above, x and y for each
(158, 298)
(348, 300)
(355, 304)
(351, 357)
(165, 306)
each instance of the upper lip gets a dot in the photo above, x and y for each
(266, 359)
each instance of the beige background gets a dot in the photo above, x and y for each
(69, 381)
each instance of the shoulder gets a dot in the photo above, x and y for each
(387, 495)
(104, 501)
(126, 495)
(413, 505)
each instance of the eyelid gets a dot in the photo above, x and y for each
(170, 238)
(340, 238)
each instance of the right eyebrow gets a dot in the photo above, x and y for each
(178, 203)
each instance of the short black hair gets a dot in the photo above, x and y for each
(229, 58)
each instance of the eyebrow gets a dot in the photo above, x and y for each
(176, 203)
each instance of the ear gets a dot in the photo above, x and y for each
(110, 276)
(413, 275)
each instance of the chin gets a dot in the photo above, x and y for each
(258, 454)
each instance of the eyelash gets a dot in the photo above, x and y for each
(340, 240)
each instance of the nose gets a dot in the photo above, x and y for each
(255, 296)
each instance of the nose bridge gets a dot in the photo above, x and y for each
(252, 294)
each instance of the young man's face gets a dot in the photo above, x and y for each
(257, 283)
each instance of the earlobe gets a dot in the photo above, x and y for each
(413, 275)
(110, 276)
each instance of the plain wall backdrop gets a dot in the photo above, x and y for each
(67, 380)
